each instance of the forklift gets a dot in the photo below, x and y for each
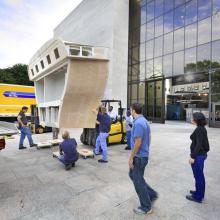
(117, 134)
(35, 126)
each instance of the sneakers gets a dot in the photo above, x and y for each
(191, 198)
(33, 145)
(68, 166)
(139, 211)
(191, 192)
(22, 147)
(102, 161)
(96, 153)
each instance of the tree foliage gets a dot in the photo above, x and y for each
(16, 74)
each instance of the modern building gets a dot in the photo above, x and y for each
(174, 58)
(162, 53)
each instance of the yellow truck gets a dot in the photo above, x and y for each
(13, 97)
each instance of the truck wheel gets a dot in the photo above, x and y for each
(82, 139)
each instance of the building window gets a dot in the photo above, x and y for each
(190, 60)
(143, 14)
(159, 26)
(204, 31)
(216, 26)
(158, 7)
(135, 54)
(149, 69)
(48, 59)
(191, 35)
(149, 49)
(150, 30)
(168, 43)
(204, 57)
(87, 51)
(36, 67)
(216, 54)
(216, 6)
(179, 39)
(179, 2)
(179, 17)
(158, 67)
(142, 71)
(168, 5)
(204, 9)
(42, 64)
(56, 53)
(178, 63)
(168, 22)
(158, 48)
(191, 12)
(32, 71)
(142, 52)
(150, 11)
(75, 51)
(168, 65)
(143, 33)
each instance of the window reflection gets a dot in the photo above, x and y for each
(168, 22)
(190, 60)
(135, 72)
(158, 66)
(168, 43)
(191, 12)
(141, 94)
(204, 31)
(149, 49)
(159, 26)
(216, 6)
(179, 2)
(168, 65)
(204, 9)
(168, 5)
(179, 17)
(150, 30)
(179, 39)
(149, 69)
(135, 54)
(191, 35)
(158, 7)
(204, 57)
(143, 33)
(142, 71)
(158, 50)
(142, 52)
(150, 11)
(216, 26)
(216, 54)
(143, 14)
(134, 92)
(178, 63)
(135, 37)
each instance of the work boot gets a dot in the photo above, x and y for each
(68, 166)
(73, 164)
(127, 148)
(33, 145)
(102, 161)
(22, 147)
(139, 211)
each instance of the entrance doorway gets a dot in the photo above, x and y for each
(155, 101)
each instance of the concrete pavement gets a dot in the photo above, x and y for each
(35, 186)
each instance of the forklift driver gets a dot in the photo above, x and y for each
(112, 114)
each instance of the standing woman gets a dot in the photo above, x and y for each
(199, 149)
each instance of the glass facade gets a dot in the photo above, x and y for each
(168, 38)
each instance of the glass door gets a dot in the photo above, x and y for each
(155, 101)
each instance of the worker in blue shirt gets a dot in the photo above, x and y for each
(140, 143)
(68, 152)
(104, 122)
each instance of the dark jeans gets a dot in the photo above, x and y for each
(145, 193)
(61, 159)
(197, 169)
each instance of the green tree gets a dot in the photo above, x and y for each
(16, 74)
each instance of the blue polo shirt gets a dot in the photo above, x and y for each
(68, 146)
(141, 129)
(105, 122)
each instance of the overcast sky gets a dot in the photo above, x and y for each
(25, 25)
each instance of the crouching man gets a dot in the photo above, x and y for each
(68, 152)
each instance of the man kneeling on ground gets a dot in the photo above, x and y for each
(68, 153)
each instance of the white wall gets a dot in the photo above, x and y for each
(102, 23)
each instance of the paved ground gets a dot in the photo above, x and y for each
(34, 186)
